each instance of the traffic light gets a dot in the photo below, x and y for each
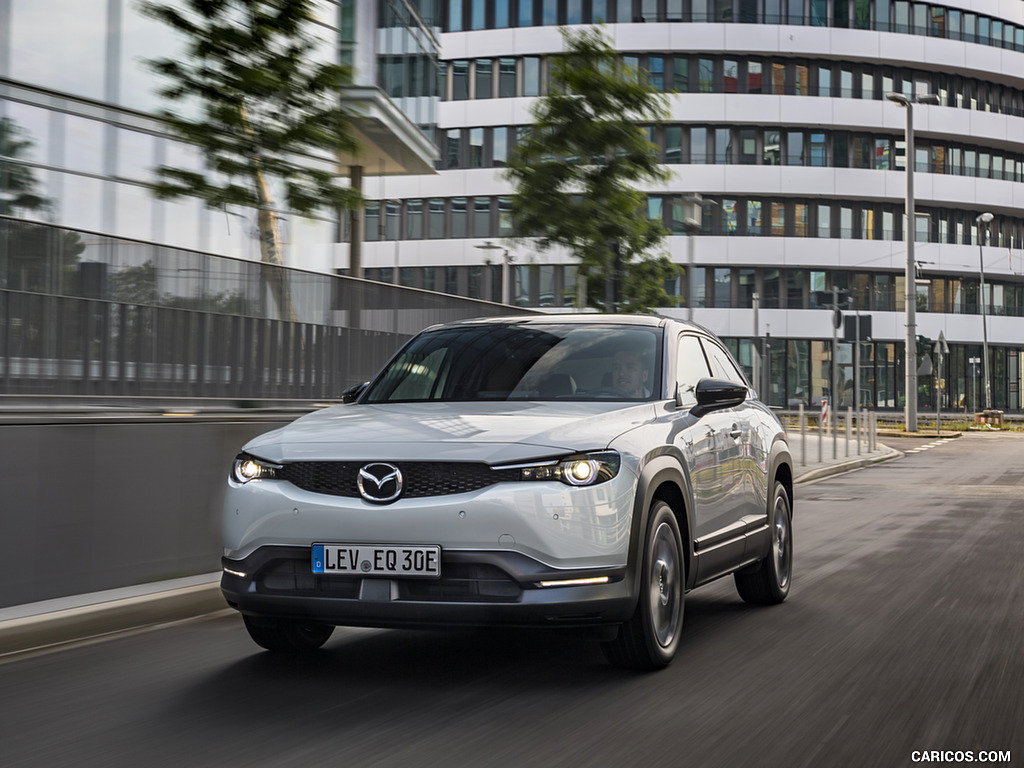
(924, 346)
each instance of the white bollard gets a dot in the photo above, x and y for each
(803, 436)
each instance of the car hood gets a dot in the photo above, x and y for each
(490, 432)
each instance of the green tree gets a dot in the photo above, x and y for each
(577, 169)
(269, 110)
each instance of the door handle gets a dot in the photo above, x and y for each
(735, 432)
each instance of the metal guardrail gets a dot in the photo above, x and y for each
(83, 315)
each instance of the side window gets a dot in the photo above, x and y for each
(722, 366)
(691, 367)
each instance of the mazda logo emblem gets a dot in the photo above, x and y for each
(380, 482)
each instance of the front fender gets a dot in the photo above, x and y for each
(780, 465)
(664, 475)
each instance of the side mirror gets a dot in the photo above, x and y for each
(352, 394)
(716, 394)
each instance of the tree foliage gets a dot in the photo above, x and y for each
(270, 110)
(578, 167)
(268, 106)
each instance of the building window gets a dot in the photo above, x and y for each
(414, 219)
(531, 76)
(499, 142)
(549, 12)
(481, 217)
(794, 148)
(436, 218)
(754, 77)
(458, 217)
(824, 220)
(673, 144)
(706, 69)
(754, 218)
(476, 147)
(454, 15)
(656, 72)
(371, 219)
(729, 220)
(453, 148)
(681, 74)
(501, 17)
(504, 216)
(778, 219)
(800, 227)
(526, 13)
(723, 146)
(476, 18)
(506, 78)
(723, 288)
(460, 80)
(795, 288)
(818, 158)
(698, 146)
(484, 68)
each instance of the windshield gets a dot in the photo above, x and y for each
(524, 362)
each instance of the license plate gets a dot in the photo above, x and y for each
(377, 560)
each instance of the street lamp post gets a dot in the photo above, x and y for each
(910, 289)
(983, 227)
(505, 260)
(754, 367)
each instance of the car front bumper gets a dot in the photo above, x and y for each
(476, 588)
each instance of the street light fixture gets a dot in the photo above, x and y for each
(910, 288)
(984, 220)
(506, 259)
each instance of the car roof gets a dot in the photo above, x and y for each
(579, 318)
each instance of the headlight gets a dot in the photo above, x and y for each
(583, 469)
(247, 468)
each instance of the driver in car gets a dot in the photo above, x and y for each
(630, 374)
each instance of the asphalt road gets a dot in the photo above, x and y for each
(904, 632)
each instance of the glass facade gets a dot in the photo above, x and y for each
(883, 15)
(83, 106)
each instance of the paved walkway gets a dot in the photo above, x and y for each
(816, 456)
(52, 623)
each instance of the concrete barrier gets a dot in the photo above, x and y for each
(95, 502)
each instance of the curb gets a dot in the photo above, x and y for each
(847, 466)
(920, 435)
(84, 622)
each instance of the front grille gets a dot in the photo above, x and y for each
(465, 582)
(421, 478)
(469, 582)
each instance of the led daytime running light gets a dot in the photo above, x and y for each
(575, 582)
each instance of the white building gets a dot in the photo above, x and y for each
(779, 119)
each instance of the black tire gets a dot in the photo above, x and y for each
(650, 638)
(284, 636)
(767, 582)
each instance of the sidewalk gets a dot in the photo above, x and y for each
(818, 456)
(52, 623)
